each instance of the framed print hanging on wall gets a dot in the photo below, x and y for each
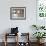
(41, 8)
(18, 13)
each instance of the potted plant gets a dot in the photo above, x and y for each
(39, 35)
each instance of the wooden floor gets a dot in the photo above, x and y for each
(13, 44)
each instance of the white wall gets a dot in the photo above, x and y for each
(24, 25)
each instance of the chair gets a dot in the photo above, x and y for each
(7, 35)
(25, 37)
(14, 32)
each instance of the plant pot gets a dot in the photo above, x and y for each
(40, 41)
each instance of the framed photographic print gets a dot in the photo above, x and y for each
(18, 13)
(41, 12)
(41, 8)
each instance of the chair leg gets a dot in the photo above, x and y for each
(5, 43)
(5, 40)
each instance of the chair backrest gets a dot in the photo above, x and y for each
(24, 37)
